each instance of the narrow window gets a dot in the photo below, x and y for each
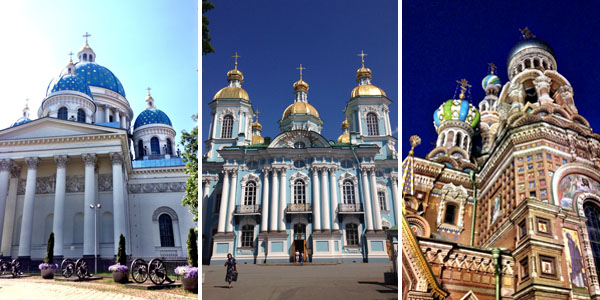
(349, 192)
(250, 194)
(140, 149)
(372, 127)
(63, 113)
(169, 147)
(80, 116)
(351, 234)
(154, 146)
(227, 128)
(299, 192)
(247, 236)
(450, 214)
(165, 224)
(382, 202)
(84, 57)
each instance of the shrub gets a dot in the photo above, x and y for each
(192, 247)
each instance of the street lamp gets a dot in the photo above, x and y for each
(95, 208)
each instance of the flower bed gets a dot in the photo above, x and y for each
(189, 277)
(118, 268)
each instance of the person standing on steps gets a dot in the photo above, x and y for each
(231, 265)
(297, 256)
(302, 258)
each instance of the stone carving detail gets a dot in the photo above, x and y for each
(5, 164)
(117, 158)
(104, 182)
(32, 163)
(89, 159)
(45, 185)
(75, 183)
(61, 161)
(15, 171)
(170, 187)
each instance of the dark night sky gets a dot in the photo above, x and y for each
(444, 41)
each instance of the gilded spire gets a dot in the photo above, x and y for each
(86, 36)
(464, 84)
(526, 33)
(415, 141)
(363, 75)
(236, 56)
(235, 74)
(149, 96)
(492, 68)
(362, 57)
(300, 68)
(300, 85)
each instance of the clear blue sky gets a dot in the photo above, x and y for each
(274, 37)
(444, 41)
(144, 43)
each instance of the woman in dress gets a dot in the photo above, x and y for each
(231, 268)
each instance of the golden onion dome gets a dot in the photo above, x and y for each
(257, 140)
(300, 108)
(256, 125)
(363, 72)
(230, 92)
(300, 84)
(345, 124)
(235, 74)
(344, 138)
(367, 90)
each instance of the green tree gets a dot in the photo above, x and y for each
(206, 46)
(121, 255)
(192, 246)
(189, 141)
(50, 249)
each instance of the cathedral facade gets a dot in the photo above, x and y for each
(330, 200)
(86, 159)
(507, 204)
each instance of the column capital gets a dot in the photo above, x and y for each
(332, 169)
(266, 170)
(16, 171)
(5, 164)
(90, 159)
(61, 161)
(32, 163)
(315, 169)
(116, 157)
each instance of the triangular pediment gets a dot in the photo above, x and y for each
(52, 127)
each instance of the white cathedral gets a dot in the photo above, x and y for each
(77, 154)
(330, 200)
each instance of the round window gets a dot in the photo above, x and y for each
(299, 163)
(299, 145)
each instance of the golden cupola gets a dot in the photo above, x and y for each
(345, 137)
(300, 114)
(363, 77)
(234, 90)
(256, 131)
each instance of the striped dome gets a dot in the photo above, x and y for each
(458, 110)
(490, 80)
(69, 82)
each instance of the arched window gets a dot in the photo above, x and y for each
(91, 57)
(372, 127)
(450, 214)
(348, 190)
(299, 192)
(154, 146)
(592, 212)
(351, 234)
(247, 236)
(458, 139)
(84, 57)
(63, 113)
(250, 194)
(382, 202)
(140, 149)
(169, 147)
(165, 225)
(227, 127)
(80, 115)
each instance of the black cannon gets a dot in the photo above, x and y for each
(155, 269)
(79, 268)
(10, 267)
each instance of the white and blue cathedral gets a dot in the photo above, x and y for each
(85, 150)
(331, 200)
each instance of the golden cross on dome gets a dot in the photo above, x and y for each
(86, 36)
(362, 57)
(236, 56)
(300, 68)
(70, 55)
(492, 67)
(463, 87)
(256, 114)
(526, 33)
(148, 89)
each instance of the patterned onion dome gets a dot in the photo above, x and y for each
(21, 121)
(300, 108)
(151, 116)
(490, 80)
(456, 109)
(96, 75)
(69, 82)
(231, 92)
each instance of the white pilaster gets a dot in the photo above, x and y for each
(367, 199)
(205, 195)
(324, 200)
(223, 203)
(316, 201)
(120, 223)
(264, 214)
(274, 201)
(395, 195)
(282, 194)
(5, 165)
(89, 199)
(375, 199)
(59, 203)
(231, 205)
(360, 129)
(214, 127)
(33, 164)
(334, 199)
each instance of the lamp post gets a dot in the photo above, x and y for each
(95, 208)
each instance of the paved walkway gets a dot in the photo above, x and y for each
(36, 288)
(344, 281)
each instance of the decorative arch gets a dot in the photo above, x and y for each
(300, 176)
(581, 120)
(457, 195)
(419, 226)
(250, 177)
(528, 74)
(575, 169)
(287, 139)
(164, 210)
(352, 178)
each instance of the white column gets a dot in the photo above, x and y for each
(375, 199)
(106, 115)
(11, 207)
(214, 127)
(205, 195)
(264, 213)
(33, 164)
(387, 119)
(274, 201)
(123, 122)
(394, 180)
(59, 203)
(316, 201)
(223, 203)
(282, 196)
(89, 160)
(366, 199)
(324, 201)
(117, 116)
(231, 205)
(334, 199)
(359, 122)
(120, 222)
(5, 165)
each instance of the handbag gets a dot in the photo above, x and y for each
(235, 275)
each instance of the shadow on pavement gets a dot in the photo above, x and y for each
(221, 286)
(390, 288)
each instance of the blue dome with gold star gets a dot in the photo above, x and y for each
(21, 121)
(69, 82)
(151, 116)
(96, 75)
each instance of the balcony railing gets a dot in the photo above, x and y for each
(247, 209)
(299, 208)
(350, 208)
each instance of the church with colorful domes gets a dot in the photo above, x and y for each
(506, 205)
(331, 199)
(88, 159)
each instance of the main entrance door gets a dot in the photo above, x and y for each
(299, 241)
